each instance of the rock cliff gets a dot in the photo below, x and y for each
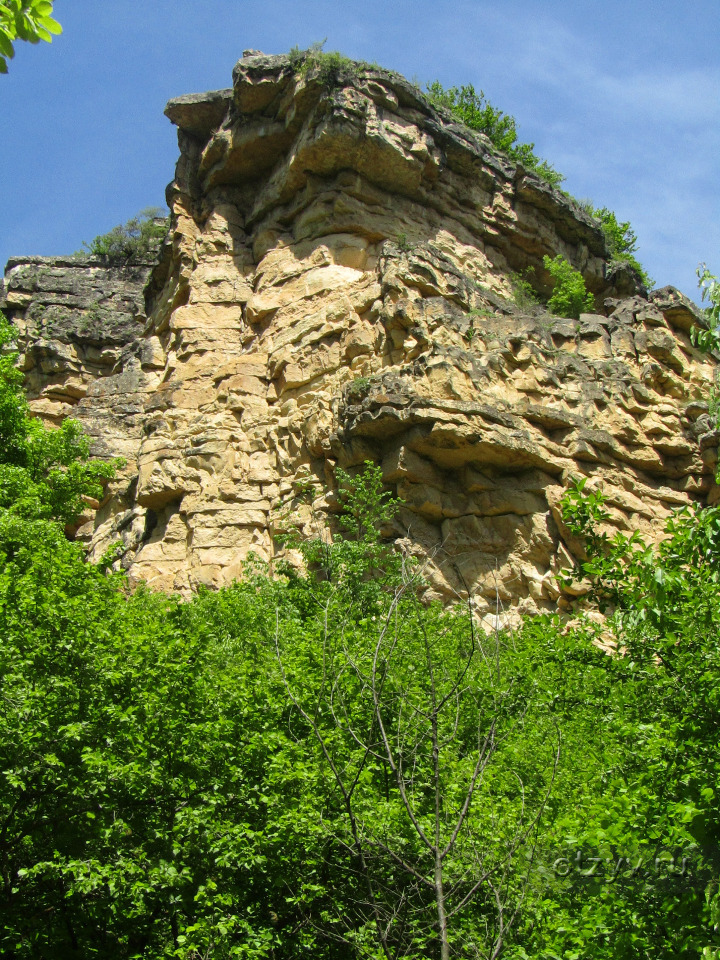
(338, 286)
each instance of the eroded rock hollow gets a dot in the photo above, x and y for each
(337, 287)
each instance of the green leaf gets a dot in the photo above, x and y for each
(6, 48)
(51, 25)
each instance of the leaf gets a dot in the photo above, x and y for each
(51, 25)
(6, 48)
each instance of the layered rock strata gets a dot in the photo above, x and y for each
(339, 288)
(80, 326)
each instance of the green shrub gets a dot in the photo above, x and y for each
(45, 473)
(708, 339)
(328, 66)
(641, 867)
(620, 236)
(570, 297)
(130, 241)
(357, 388)
(477, 113)
(621, 240)
(523, 292)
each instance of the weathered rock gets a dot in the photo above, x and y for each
(80, 327)
(338, 289)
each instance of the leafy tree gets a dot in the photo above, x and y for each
(318, 763)
(707, 337)
(418, 721)
(710, 291)
(29, 20)
(477, 113)
(135, 740)
(570, 297)
(161, 796)
(651, 822)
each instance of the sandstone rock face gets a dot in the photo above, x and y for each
(339, 289)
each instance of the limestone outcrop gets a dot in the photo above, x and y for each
(338, 286)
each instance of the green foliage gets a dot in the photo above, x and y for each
(714, 406)
(357, 388)
(286, 767)
(710, 291)
(523, 292)
(167, 784)
(133, 240)
(471, 330)
(356, 563)
(708, 338)
(142, 764)
(359, 385)
(621, 240)
(659, 800)
(424, 732)
(569, 298)
(477, 113)
(29, 20)
(44, 473)
(330, 67)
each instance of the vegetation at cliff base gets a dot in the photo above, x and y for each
(44, 473)
(315, 762)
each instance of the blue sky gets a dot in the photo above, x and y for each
(623, 97)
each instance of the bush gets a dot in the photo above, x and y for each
(45, 473)
(523, 292)
(477, 113)
(621, 240)
(133, 240)
(328, 66)
(570, 297)
(651, 822)
(708, 339)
